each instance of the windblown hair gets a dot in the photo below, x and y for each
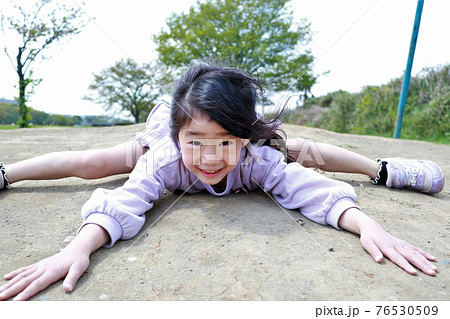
(227, 96)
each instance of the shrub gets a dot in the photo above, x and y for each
(340, 117)
(373, 111)
(376, 113)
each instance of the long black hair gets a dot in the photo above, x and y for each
(229, 97)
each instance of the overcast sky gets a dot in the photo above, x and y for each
(360, 42)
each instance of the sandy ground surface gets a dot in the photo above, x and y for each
(238, 247)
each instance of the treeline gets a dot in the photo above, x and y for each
(9, 113)
(373, 111)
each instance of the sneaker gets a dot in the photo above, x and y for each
(4, 184)
(423, 176)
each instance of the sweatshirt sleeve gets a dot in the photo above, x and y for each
(318, 197)
(121, 212)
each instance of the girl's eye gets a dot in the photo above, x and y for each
(196, 143)
(224, 143)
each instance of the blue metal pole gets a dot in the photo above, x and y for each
(407, 76)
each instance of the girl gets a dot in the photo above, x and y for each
(214, 145)
(423, 176)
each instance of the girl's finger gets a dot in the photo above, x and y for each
(26, 271)
(19, 285)
(37, 285)
(75, 272)
(424, 253)
(414, 257)
(400, 261)
(14, 273)
(372, 249)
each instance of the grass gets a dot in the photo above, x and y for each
(437, 140)
(13, 127)
(8, 127)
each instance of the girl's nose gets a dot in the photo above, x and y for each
(211, 157)
(211, 153)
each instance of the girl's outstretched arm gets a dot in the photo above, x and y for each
(70, 263)
(88, 164)
(378, 243)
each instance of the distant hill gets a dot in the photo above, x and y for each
(9, 113)
(7, 101)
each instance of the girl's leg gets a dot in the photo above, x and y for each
(419, 175)
(87, 164)
(331, 158)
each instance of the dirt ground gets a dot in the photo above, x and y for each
(237, 247)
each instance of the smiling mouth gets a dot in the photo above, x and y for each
(210, 173)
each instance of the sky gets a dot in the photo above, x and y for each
(358, 42)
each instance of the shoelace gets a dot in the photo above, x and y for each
(411, 176)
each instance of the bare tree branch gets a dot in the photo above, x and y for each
(38, 27)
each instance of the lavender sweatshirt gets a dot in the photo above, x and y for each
(121, 212)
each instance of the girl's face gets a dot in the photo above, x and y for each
(208, 150)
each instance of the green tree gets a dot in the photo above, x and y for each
(342, 107)
(428, 110)
(373, 111)
(3, 114)
(375, 114)
(38, 26)
(128, 87)
(58, 119)
(39, 117)
(259, 36)
(10, 113)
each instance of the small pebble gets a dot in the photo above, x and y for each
(27, 255)
(331, 248)
(132, 258)
(103, 296)
(393, 298)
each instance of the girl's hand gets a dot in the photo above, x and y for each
(378, 243)
(28, 281)
(71, 263)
